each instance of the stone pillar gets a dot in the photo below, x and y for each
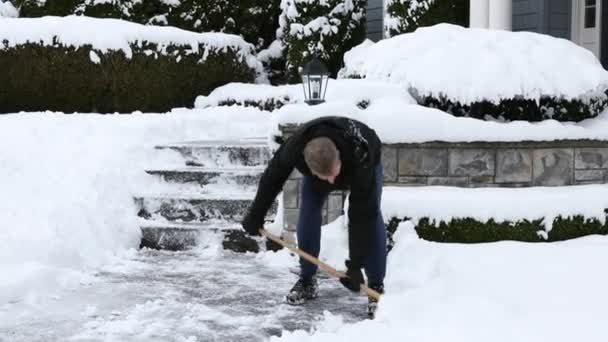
(480, 13)
(501, 15)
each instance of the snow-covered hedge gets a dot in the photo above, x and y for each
(325, 29)
(536, 214)
(359, 93)
(470, 230)
(255, 20)
(480, 73)
(107, 65)
(404, 16)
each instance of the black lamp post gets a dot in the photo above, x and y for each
(314, 81)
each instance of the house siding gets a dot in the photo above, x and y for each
(528, 15)
(558, 18)
(550, 17)
(374, 19)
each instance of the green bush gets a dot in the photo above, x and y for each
(407, 15)
(39, 8)
(523, 109)
(325, 29)
(469, 230)
(255, 20)
(60, 78)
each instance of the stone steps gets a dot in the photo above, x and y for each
(249, 176)
(209, 193)
(223, 153)
(181, 236)
(178, 208)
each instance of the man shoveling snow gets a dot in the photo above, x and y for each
(332, 153)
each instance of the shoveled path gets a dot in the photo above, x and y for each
(199, 295)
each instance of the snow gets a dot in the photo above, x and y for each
(502, 291)
(274, 51)
(353, 91)
(446, 203)
(471, 64)
(67, 201)
(397, 120)
(396, 117)
(113, 34)
(7, 10)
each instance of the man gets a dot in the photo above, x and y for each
(332, 153)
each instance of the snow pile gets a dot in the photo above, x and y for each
(504, 291)
(470, 65)
(114, 34)
(398, 121)
(66, 200)
(7, 10)
(353, 91)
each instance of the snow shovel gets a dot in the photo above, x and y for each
(325, 267)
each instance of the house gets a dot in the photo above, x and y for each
(577, 20)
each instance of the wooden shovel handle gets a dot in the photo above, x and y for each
(325, 267)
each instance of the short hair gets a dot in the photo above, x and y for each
(321, 155)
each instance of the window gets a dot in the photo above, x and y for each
(590, 8)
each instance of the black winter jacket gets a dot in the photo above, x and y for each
(360, 151)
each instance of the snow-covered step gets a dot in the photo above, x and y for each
(201, 208)
(181, 236)
(223, 153)
(244, 176)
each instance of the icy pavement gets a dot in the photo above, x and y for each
(198, 295)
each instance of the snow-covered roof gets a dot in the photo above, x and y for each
(469, 65)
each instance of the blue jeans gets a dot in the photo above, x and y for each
(309, 232)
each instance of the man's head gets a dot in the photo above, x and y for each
(323, 158)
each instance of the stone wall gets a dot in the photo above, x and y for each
(475, 164)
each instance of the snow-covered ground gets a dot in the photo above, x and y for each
(68, 180)
(506, 291)
(70, 230)
(502, 291)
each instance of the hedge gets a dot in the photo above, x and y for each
(63, 78)
(469, 230)
(549, 107)
(255, 20)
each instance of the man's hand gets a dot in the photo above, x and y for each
(354, 277)
(251, 226)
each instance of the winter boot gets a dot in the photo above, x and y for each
(302, 291)
(372, 303)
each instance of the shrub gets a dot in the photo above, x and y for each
(153, 77)
(469, 230)
(324, 29)
(549, 107)
(404, 16)
(255, 20)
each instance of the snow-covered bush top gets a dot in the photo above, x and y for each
(7, 10)
(356, 92)
(254, 20)
(470, 65)
(113, 34)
